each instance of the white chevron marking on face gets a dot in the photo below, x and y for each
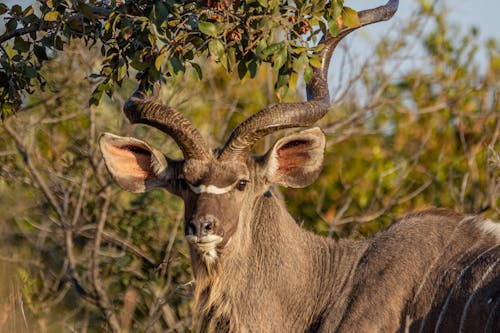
(212, 189)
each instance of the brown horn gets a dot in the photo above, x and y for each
(301, 114)
(143, 109)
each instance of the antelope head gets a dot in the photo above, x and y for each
(219, 186)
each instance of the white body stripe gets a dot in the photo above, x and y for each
(454, 287)
(476, 288)
(490, 227)
(212, 189)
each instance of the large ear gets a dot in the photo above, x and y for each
(132, 163)
(296, 160)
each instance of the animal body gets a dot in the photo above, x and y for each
(256, 270)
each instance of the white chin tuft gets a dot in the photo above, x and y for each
(206, 246)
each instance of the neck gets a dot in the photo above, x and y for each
(273, 274)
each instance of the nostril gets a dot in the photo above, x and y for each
(207, 227)
(191, 229)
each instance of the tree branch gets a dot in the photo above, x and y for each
(97, 11)
(101, 295)
(49, 195)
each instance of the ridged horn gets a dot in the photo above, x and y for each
(143, 109)
(301, 114)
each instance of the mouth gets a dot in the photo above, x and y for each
(206, 246)
(205, 241)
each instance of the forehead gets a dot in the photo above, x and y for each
(214, 172)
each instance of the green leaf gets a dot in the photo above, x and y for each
(231, 58)
(11, 25)
(252, 68)
(161, 13)
(3, 8)
(30, 72)
(177, 65)
(242, 69)
(294, 77)
(272, 49)
(16, 10)
(28, 11)
(263, 3)
(223, 59)
(122, 71)
(283, 80)
(333, 27)
(350, 17)
(51, 16)
(86, 10)
(300, 63)
(40, 52)
(308, 74)
(198, 70)
(280, 58)
(159, 61)
(216, 48)
(21, 45)
(261, 46)
(273, 4)
(210, 29)
(315, 61)
(138, 64)
(97, 94)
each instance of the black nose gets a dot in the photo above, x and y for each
(201, 227)
(207, 227)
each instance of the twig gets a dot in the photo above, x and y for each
(34, 172)
(113, 238)
(75, 278)
(102, 298)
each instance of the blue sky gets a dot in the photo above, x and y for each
(483, 14)
(480, 13)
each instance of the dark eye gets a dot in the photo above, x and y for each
(242, 183)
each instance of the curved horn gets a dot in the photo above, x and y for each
(302, 114)
(143, 109)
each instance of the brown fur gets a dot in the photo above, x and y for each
(434, 270)
(279, 278)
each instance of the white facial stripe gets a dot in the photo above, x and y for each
(212, 189)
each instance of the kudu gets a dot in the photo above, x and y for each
(256, 270)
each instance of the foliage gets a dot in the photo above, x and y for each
(81, 253)
(160, 38)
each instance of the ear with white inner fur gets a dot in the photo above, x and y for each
(132, 163)
(296, 160)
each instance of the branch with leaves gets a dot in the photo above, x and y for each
(157, 39)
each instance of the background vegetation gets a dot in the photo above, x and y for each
(79, 254)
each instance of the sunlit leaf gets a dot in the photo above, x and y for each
(263, 3)
(51, 16)
(159, 61)
(216, 48)
(350, 17)
(280, 58)
(210, 29)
